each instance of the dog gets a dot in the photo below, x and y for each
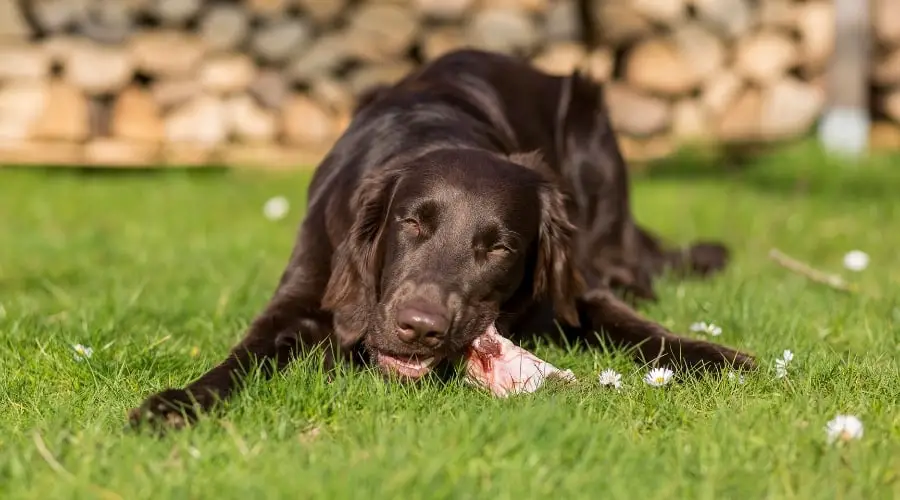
(476, 191)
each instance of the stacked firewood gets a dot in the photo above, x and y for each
(272, 82)
(886, 74)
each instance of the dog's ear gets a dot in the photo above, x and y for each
(355, 263)
(556, 274)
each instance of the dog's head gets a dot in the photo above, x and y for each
(441, 247)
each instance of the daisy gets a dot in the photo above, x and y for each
(844, 428)
(781, 364)
(276, 208)
(856, 260)
(611, 378)
(708, 328)
(82, 352)
(736, 376)
(658, 377)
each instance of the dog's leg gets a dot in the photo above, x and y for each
(652, 343)
(700, 258)
(291, 323)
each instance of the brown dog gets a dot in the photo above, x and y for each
(476, 191)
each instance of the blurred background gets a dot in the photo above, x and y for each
(271, 83)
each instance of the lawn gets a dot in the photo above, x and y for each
(159, 273)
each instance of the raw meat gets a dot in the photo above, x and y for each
(493, 362)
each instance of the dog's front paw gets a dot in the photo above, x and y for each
(707, 258)
(169, 409)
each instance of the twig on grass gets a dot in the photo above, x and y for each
(58, 468)
(791, 264)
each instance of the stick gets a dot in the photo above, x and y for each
(832, 280)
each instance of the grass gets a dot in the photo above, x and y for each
(161, 272)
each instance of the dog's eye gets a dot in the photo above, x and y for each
(411, 226)
(500, 250)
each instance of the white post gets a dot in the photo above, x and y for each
(844, 128)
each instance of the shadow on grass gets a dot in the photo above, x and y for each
(802, 168)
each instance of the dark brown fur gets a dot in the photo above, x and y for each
(476, 190)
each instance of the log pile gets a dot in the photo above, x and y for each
(886, 74)
(272, 82)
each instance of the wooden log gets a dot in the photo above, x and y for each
(439, 41)
(720, 91)
(324, 55)
(107, 22)
(505, 31)
(201, 122)
(890, 104)
(332, 94)
(741, 121)
(618, 23)
(657, 65)
(444, 10)
(136, 117)
(98, 69)
(778, 14)
(20, 60)
(817, 27)
(886, 71)
(168, 93)
(690, 122)
(224, 27)
(22, 104)
(270, 88)
(765, 56)
(248, 122)
(635, 113)
(886, 20)
(167, 53)
(562, 23)
(41, 153)
(227, 73)
(271, 9)
(305, 122)
(54, 16)
(322, 12)
(114, 152)
(731, 18)
(367, 77)
(174, 13)
(560, 58)
(884, 135)
(279, 39)
(790, 107)
(665, 12)
(13, 24)
(65, 116)
(383, 30)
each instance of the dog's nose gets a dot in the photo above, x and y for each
(423, 324)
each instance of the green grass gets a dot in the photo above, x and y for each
(161, 273)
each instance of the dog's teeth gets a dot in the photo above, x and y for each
(428, 361)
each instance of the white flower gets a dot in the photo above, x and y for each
(736, 376)
(856, 260)
(708, 328)
(276, 208)
(610, 377)
(844, 428)
(658, 377)
(82, 352)
(781, 364)
(194, 452)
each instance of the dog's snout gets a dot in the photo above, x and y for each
(423, 323)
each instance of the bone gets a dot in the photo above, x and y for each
(494, 363)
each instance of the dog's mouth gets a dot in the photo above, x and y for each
(409, 367)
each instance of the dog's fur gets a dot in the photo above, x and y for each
(475, 190)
